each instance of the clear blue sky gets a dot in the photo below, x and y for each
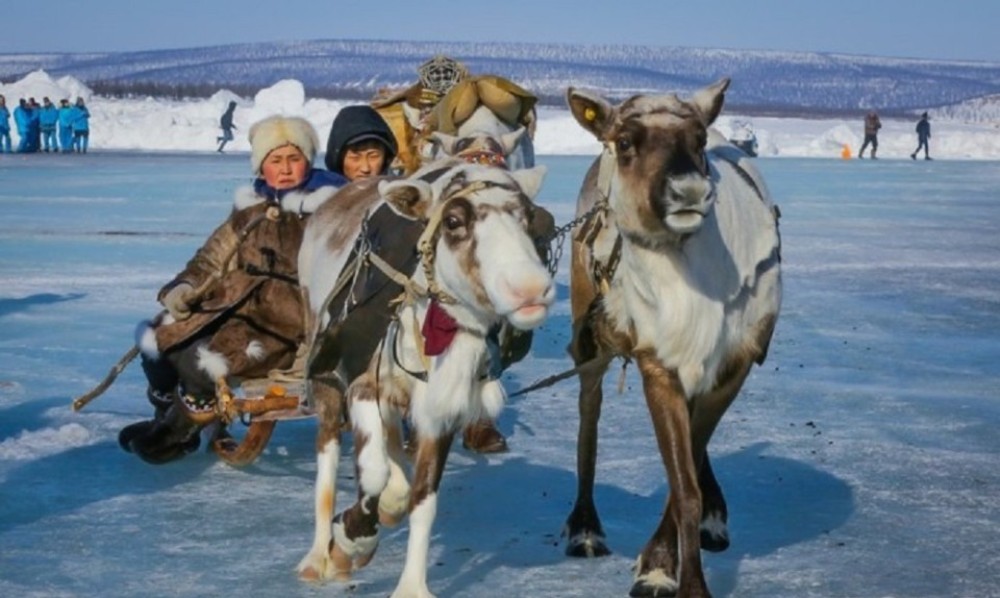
(946, 29)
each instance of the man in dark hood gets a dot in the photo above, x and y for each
(360, 145)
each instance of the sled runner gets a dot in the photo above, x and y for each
(262, 405)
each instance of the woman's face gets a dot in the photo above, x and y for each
(284, 168)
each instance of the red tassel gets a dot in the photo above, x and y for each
(439, 329)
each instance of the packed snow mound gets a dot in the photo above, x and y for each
(38, 84)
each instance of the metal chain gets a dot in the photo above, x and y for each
(558, 236)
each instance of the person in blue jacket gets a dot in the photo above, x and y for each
(81, 126)
(4, 126)
(22, 118)
(48, 115)
(34, 126)
(65, 126)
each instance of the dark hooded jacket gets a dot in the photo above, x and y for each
(352, 125)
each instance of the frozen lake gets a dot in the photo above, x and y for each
(860, 460)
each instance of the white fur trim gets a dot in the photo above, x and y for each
(212, 363)
(145, 339)
(277, 131)
(255, 350)
(295, 202)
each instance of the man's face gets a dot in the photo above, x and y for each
(364, 160)
(284, 168)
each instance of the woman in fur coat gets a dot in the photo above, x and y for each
(246, 317)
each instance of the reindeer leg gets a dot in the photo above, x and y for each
(707, 412)
(355, 531)
(583, 531)
(316, 565)
(396, 496)
(428, 468)
(676, 540)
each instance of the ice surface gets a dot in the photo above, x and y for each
(860, 460)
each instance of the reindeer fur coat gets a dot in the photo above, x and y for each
(254, 313)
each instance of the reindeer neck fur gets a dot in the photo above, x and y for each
(455, 392)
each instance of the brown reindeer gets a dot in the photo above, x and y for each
(677, 268)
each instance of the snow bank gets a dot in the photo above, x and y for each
(968, 131)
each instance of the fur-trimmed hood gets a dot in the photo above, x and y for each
(304, 200)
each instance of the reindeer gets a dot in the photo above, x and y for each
(677, 267)
(478, 267)
(514, 141)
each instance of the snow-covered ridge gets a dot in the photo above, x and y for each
(761, 79)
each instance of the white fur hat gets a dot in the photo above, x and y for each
(278, 131)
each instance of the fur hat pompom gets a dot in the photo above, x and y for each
(278, 131)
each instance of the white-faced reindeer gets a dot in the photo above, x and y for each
(487, 148)
(680, 273)
(478, 266)
(514, 141)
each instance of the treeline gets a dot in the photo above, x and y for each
(191, 91)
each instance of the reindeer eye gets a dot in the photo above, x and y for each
(453, 222)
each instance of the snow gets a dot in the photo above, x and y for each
(965, 131)
(859, 460)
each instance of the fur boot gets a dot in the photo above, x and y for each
(163, 439)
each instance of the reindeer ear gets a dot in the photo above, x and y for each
(530, 179)
(510, 140)
(446, 141)
(710, 99)
(590, 110)
(408, 198)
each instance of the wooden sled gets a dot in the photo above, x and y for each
(262, 405)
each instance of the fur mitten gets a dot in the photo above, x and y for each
(176, 301)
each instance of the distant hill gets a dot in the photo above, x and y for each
(764, 82)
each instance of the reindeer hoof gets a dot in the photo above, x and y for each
(389, 519)
(483, 437)
(586, 545)
(341, 563)
(655, 586)
(714, 533)
(310, 574)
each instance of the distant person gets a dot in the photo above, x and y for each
(226, 123)
(48, 116)
(22, 116)
(34, 126)
(4, 126)
(923, 135)
(872, 125)
(65, 126)
(250, 320)
(81, 126)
